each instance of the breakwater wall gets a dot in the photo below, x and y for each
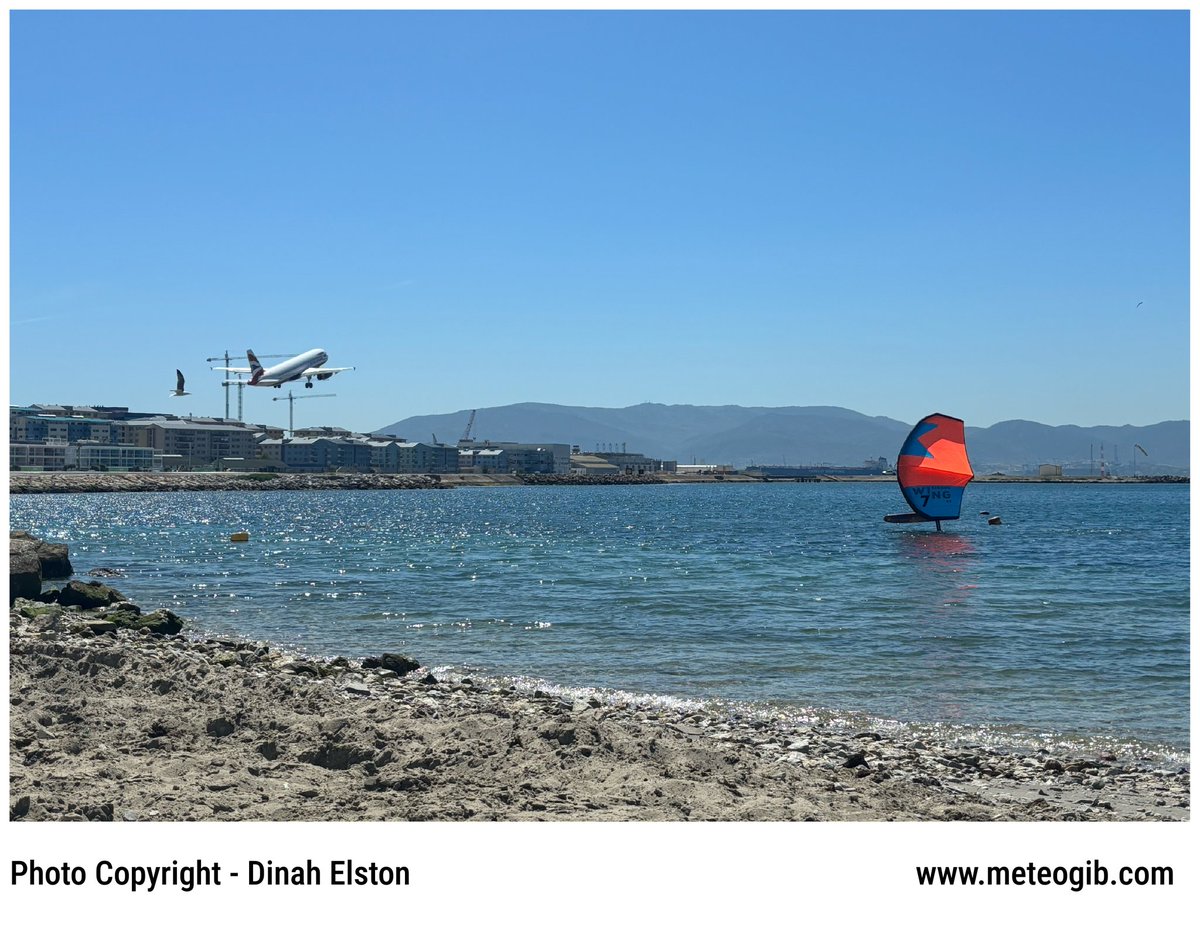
(58, 482)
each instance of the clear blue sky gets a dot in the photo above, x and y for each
(895, 212)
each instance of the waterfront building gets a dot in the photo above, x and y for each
(391, 455)
(96, 456)
(319, 453)
(32, 425)
(79, 456)
(385, 454)
(592, 465)
(527, 457)
(426, 458)
(637, 463)
(200, 443)
(482, 461)
(36, 456)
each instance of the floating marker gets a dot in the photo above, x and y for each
(994, 521)
(242, 536)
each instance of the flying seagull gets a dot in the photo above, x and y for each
(178, 391)
(1140, 302)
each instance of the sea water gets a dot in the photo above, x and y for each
(1069, 620)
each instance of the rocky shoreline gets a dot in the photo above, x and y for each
(117, 718)
(67, 482)
(60, 482)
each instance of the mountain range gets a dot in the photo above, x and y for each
(798, 435)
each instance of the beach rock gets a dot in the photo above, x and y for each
(90, 595)
(855, 760)
(52, 555)
(55, 563)
(401, 664)
(301, 667)
(160, 622)
(106, 572)
(42, 616)
(95, 626)
(124, 606)
(24, 570)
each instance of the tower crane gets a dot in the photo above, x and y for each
(226, 357)
(466, 436)
(291, 398)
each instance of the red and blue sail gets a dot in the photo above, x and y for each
(933, 469)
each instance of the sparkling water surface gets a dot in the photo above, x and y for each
(1068, 620)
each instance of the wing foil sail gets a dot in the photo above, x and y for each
(932, 468)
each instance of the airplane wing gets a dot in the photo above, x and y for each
(235, 370)
(314, 372)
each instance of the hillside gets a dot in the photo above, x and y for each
(796, 435)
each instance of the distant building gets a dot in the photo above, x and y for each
(95, 456)
(636, 463)
(310, 432)
(36, 456)
(199, 443)
(385, 455)
(527, 457)
(592, 465)
(482, 461)
(705, 469)
(318, 454)
(81, 456)
(29, 425)
(1050, 470)
(395, 456)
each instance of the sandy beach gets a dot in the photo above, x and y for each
(111, 721)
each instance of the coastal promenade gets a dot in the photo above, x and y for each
(34, 482)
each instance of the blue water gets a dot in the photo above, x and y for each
(1068, 620)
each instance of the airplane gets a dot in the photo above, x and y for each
(178, 391)
(306, 365)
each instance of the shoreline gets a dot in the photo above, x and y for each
(36, 482)
(113, 723)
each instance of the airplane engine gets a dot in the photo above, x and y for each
(326, 376)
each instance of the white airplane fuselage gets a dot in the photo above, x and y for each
(291, 370)
(305, 366)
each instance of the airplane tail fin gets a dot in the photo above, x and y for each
(256, 370)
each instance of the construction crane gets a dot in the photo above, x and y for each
(466, 436)
(226, 358)
(291, 398)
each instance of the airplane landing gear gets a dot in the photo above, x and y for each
(308, 383)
